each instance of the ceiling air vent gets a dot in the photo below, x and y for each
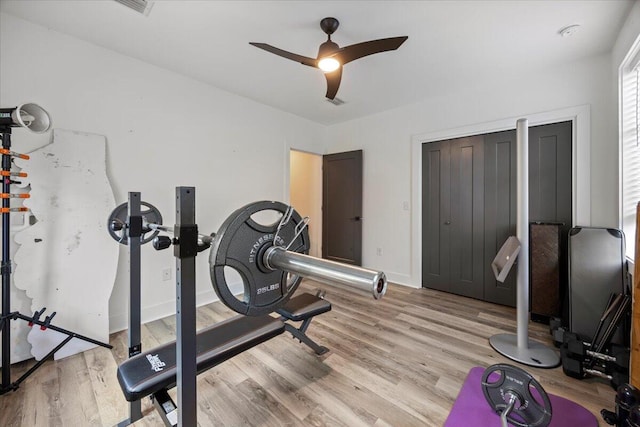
(140, 6)
(335, 101)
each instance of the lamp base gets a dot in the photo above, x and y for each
(536, 354)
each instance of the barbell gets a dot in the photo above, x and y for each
(266, 243)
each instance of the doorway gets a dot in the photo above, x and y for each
(305, 193)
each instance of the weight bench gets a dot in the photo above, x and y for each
(154, 372)
(303, 308)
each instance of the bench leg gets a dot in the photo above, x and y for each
(166, 408)
(302, 337)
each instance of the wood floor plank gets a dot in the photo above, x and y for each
(105, 388)
(282, 390)
(389, 391)
(75, 380)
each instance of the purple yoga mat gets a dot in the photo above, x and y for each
(471, 408)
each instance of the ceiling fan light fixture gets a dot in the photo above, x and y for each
(331, 58)
(328, 64)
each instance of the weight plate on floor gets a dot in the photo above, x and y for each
(119, 216)
(240, 245)
(532, 408)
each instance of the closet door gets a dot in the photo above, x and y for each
(500, 211)
(549, 195)
(469, 205)
(436, 190)
(467, 217)
(453, 215)
(550, 187)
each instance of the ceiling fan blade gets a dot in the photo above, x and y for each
(358, 50)
(311, 62)
(333, 82)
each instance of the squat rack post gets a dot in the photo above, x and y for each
(185, 251)
(134, 235)
(135, 336)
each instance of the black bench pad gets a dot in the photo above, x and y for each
(303, 307)
(155, 370)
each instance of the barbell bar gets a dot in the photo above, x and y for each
(375, 282)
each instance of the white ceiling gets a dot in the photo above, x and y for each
(450, 43)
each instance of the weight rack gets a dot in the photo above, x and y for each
(6, 270)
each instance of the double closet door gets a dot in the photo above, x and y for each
(469, 205)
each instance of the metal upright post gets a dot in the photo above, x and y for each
(185, 251)
(518, 347)
(134, 236)
(6, 267)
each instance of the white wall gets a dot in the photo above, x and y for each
(386, 140)
(163, 130)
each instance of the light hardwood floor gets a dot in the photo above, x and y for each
(399, 361)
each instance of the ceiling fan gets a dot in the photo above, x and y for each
(331, 57)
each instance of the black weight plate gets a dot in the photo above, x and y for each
(240, 244)
(149, 213)
(533, 408)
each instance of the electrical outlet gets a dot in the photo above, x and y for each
(379, 251)
(405, 205)
(166, 274)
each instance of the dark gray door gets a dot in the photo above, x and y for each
(342, 207)
(453, 215)
(550, 182)
(550, 188)
(549, 195)
(436, 192)
(469, 205)
(500, 211)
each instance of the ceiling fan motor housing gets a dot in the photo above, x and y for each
(327, 48)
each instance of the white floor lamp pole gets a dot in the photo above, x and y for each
(518, 347)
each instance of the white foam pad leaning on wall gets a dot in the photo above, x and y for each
(66, 261)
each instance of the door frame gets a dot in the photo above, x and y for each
(580, 117)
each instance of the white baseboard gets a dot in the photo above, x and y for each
(400, 279)
(120, 321)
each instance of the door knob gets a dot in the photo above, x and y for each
(447, 223)
(358, 218)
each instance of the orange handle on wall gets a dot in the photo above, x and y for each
(13, 153)
(9, 173)
(7, 210)
(14, 195)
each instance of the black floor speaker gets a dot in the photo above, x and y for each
(544, 271)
